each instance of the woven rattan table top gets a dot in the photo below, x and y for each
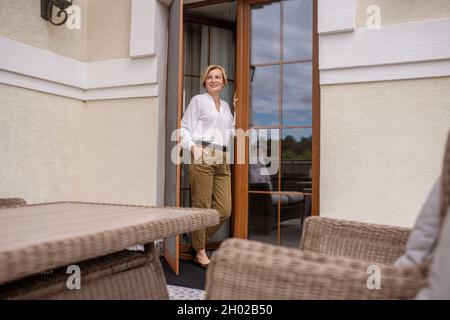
(40, 237)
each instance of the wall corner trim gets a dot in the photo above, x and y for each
(143, 23)
(336, 16)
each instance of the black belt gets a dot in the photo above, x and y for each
(210, 145)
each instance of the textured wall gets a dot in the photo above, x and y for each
(381, 148)
(109, 29)
(56, 148)
(104, 33)
(120, 151)
(400, 11)
(20, 20)
(40, 145)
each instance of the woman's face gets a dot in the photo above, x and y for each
(214, 81)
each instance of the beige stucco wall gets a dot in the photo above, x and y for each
(381, 148)
(61, 149)
(56, 148)
(20, 20)
(120, 151)
(40, 145)
(109, 24)
(104, 32)
(400, 11)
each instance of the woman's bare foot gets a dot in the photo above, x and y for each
(202, 257)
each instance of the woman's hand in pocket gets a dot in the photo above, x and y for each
(198, 153)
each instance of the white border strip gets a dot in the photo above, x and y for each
(137, 91)
(123, 92)
(120, 72)
(38, 63)
(24, 81)
(37, 69)
(402, 43)
(336, 16)
(405, 71)
(142, 35)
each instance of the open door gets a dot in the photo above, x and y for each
(209, 37)
(173, 118)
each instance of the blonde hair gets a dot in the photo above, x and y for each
(208, 70)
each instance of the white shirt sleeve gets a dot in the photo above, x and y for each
(188, 123)
(233, 124)
(233, 130)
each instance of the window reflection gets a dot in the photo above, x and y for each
(265, 33)
(297, 94)
(297, 30)
(263, 165)
(286, 92)
(263, 218)
(296, 165)
(295, 208)
(265, 89)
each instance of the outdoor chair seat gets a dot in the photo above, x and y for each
(341, 259)
(332, 263)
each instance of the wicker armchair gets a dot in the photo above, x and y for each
(335, 261)
(332, 263)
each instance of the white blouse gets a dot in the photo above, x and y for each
(202, 122)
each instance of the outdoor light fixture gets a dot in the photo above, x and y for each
(252, 72)
(47, 10)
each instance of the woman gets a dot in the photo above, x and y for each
(206, 129)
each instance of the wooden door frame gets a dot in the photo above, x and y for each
(173, 261)
(240, 225)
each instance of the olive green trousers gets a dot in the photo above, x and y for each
(210, 188)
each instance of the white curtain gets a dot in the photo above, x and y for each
(205, 45)
(222, 53)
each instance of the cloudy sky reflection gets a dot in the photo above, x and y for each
(297, 77)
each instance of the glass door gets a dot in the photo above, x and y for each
(280, 118)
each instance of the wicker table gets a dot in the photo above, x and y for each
(38, 238)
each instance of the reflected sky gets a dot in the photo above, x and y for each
(297, 77)
(297, 30)
(266, 31)
(297, 94)
(265, 36)
(265, 94)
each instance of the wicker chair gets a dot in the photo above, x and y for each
(336, 260)
(332, 263)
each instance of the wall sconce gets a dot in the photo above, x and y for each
(47, 10)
